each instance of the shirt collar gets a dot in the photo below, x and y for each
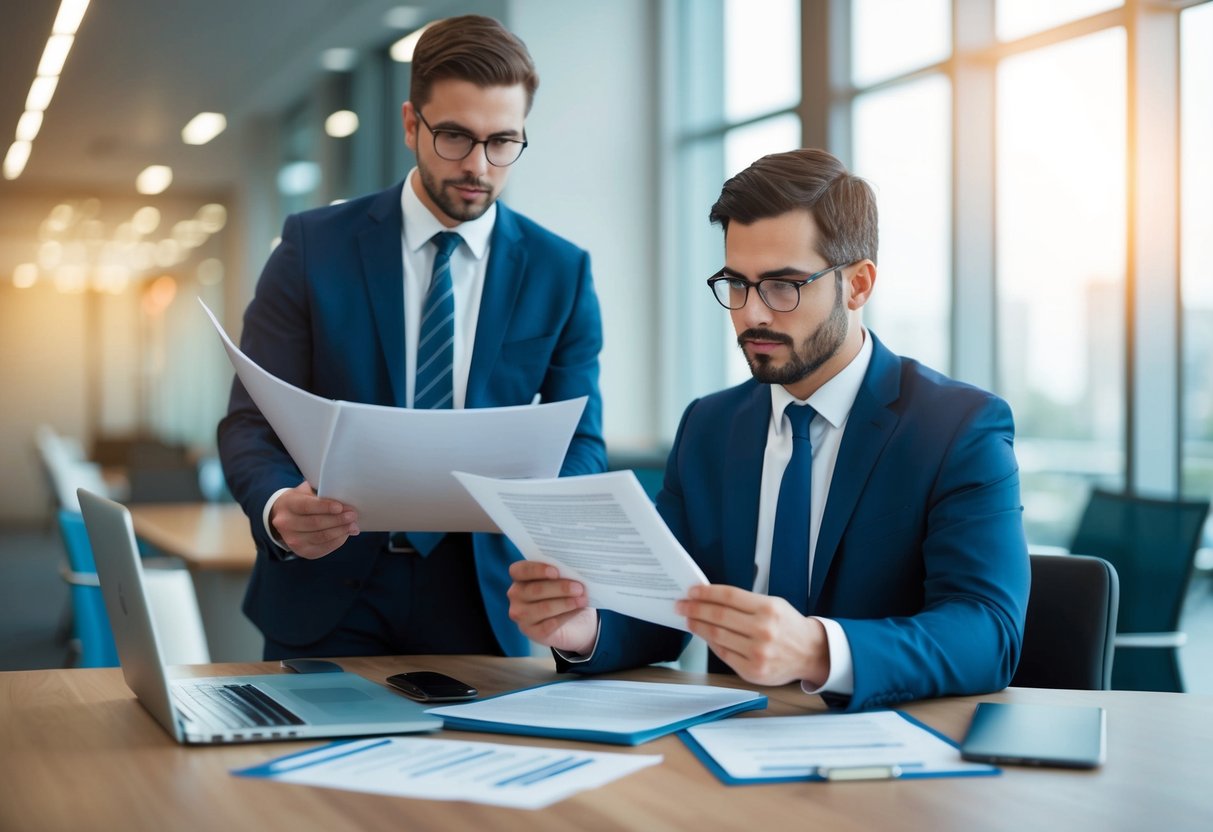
(420, 225)
(832, 400)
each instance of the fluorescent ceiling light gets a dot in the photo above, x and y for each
(55, 54)
(29, 125)
(402, 50)
(15, 159)
(203, 127)
(341, 124)
(338, 59)
(41, 92)
(70, 14)
(154, 179)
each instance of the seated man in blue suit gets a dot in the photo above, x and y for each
(857, 514)
(344, 309)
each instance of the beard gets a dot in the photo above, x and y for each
(822, 345)
(452, 204)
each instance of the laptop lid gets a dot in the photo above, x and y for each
(331, 704)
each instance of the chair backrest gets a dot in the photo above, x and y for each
(1071, 624)
(90, 623)
(1152, 544)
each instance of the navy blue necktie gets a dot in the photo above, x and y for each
(434, 384)
(790, 543)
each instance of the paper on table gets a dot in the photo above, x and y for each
(394, 464)
(518, 776)
(805, 747)
(601, 706)
(599, 529)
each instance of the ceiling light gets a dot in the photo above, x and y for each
(146, 219)
(14, 161)
(403, 17)
(40, 93)
(29, 125)
(25, 275)
(298, 178)
(154, 179)
(70, 14)
(203, 127)
(338, 59)
(341, 124)
(402, 50)
(55, 54)
(211, 217)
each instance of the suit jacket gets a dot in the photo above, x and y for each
(328, 316)
(920, 557)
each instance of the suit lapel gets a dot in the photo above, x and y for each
(868, 429)
(502, 282)
(381, 250)
(745, 449)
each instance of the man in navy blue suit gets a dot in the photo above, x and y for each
(341, 309)
(889, 564)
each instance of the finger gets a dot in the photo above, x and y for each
(531, 570)
(533, 612)
(729, 596)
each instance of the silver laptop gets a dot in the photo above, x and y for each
(227, 709)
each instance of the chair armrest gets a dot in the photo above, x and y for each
(1151, 639)
(79, 578)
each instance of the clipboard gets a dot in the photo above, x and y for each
(923, 752)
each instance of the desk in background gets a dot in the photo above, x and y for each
(78, 752)
(214, 541)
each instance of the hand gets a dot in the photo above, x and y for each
(309, 526)
(762, 637)
(551, 610)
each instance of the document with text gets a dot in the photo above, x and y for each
(394, 464)
(872, 745)
(599, 529)
(516, 776)
(600, 710)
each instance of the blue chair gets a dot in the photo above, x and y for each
(90, 624)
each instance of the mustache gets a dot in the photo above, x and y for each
(760, 334)
(469, 182)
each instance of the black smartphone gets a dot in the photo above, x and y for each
(428, 686)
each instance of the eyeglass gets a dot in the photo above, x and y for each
(781, 294)
(455, 145)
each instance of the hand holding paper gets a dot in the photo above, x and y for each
(601, 530)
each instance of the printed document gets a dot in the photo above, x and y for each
(810, 747)
(394, 464)
(517, 776)
(599, 529)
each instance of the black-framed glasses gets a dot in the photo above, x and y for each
(781, 294)
(455, 145)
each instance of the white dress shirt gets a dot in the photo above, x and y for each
(832, 401)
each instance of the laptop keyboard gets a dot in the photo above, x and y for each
(232, 706)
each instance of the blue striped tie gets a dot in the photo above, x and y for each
(434, 381)
(790, 543)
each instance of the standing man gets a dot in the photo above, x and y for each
(857, 514)
(431, 294)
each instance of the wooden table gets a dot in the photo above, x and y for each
(214, 541)
(77, 752)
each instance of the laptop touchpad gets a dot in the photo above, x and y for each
(330, 696)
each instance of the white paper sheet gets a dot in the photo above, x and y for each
(803, 746)
(600, 705)
(599, 529)
(517, 776)
(394, 464)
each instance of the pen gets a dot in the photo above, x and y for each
(876, 772)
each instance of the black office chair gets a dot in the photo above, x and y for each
(1071, 624)
(1152, 544)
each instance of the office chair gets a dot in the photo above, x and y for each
(91, 631)
(1152, 544)
(1071, 624)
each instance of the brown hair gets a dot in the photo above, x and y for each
(842, 204)
(471, 48)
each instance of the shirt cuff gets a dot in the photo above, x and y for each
(286, 554)
(842, 672)
(579, 658)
